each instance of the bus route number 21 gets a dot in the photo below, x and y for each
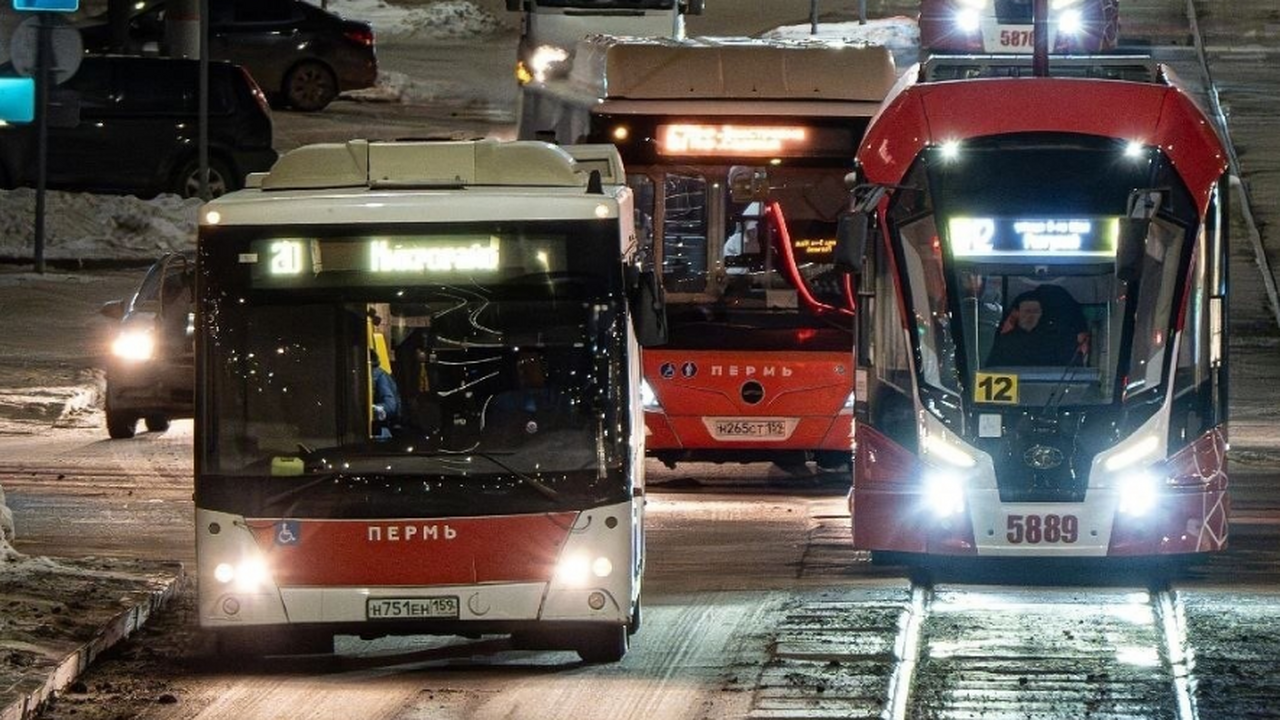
(996, 388)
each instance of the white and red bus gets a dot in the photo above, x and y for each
(417, 405)
(737, 151)
(1042, 309)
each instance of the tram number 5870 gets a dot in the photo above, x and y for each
(1037, 529)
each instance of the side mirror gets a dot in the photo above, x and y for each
(851, 241)
(649, 309)
(1131, 245)
(113, 310)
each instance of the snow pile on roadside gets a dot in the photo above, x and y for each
(441, 20)
(87, 227)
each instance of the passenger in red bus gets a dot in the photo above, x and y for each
(1038, 330)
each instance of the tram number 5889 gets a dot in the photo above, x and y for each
(1036, 529)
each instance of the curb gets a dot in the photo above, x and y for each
(24, 698)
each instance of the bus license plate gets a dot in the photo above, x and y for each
(755, 429)
(411, 608)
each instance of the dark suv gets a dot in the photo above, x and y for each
(151, 371)
(302, 56)
(138, 130)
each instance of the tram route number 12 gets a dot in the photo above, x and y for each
(995, 388)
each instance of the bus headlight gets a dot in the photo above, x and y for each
(1138, 491)
(136, 344)
(581, 570)
(1070, 22)
(248, 576)
(648, 398)
(944, 493)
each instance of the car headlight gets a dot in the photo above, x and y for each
(134, 344)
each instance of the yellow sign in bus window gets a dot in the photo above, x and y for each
(995, 388)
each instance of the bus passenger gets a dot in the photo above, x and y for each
(386, 397)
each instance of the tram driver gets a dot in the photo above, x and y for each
(1044, 326)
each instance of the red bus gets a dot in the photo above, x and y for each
(737, 151)
(1041, 319)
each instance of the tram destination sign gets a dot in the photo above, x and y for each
(751, 140)
(1033, 236)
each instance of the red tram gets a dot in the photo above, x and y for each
(1042, 286)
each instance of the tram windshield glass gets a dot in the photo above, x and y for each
(1008, 248)
(495, 349)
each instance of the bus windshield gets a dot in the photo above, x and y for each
(731, 264)
(1009, 258)
(507, 361)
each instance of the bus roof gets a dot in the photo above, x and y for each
(923, 114)
(709, 68)
(429, 182)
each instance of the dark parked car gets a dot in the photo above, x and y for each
(151, 371)
(138, 130)
(302, 56)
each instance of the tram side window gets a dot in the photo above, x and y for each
(892, 410)
(1156, 289)
(1193, 402)
(684, 233)
(931, 319)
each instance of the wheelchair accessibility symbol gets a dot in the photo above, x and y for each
(288, 532)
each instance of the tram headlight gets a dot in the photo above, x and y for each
(944, 493)
(137, 344)
(968, 20)
(1070, 22)
(648, 398)
(1138, 492)
(246, 576)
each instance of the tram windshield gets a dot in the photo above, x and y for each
(465, 351)
(1010, 260)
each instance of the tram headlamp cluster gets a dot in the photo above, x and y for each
(1138, 492)
(137, 344)
(968, 19)
(944, 493)
(581, 570)
(248, 575)
(1070, 22)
